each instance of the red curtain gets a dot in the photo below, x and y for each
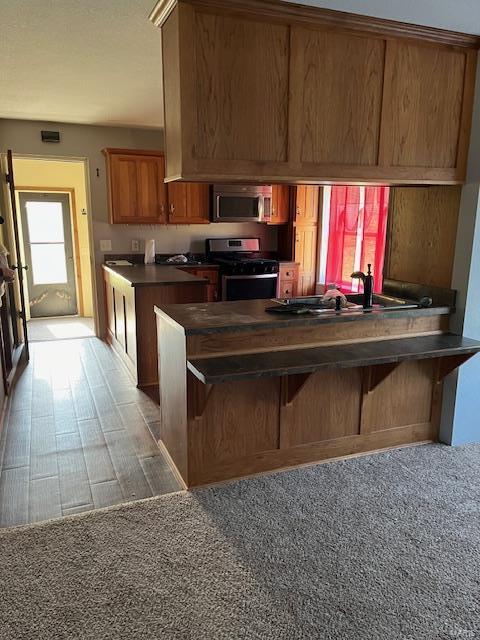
(357, 234)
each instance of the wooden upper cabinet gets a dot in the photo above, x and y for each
(280, 204)
(306, 205)
(137, 193)
(427, 109)
(241, 72)
(337, 97)
(188, 203)
(266, 92)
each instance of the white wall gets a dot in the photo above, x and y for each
(456, 15)
(461, 399)
(83, 141)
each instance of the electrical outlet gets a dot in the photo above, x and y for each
(105, 245)
(135, 245)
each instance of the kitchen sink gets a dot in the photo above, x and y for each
(383, 301)
(315, 304)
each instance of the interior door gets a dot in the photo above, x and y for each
(48, 244)
(16, 298)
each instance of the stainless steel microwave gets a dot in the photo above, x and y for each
(242, 203)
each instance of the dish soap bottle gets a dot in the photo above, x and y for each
(331, 294)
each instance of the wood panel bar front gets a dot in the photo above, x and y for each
(237, 427)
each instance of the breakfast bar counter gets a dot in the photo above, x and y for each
(244, 391)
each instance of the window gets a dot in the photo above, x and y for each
(354, 229)
(47, 242)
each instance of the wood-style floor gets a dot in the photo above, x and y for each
(76, 437)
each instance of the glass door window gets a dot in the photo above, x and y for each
(47, 242)
(48, 245)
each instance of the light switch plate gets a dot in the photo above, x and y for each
(135, 245)
(105, 245)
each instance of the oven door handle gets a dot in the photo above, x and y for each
(248, 277)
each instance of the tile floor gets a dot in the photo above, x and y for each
(78, 436)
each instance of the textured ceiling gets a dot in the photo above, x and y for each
(98, 61)
(84, 61)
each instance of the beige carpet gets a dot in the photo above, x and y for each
(40, 329)
(385, 547)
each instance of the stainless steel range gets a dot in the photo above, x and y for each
(244, 274)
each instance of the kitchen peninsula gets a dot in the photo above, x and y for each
(131, 293)
(244, 391)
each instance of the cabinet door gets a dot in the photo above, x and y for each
(306, 209)
(423, 97)
(137, 192)
(130, 326)
(280, 204)
(188, 203)
(337, 97)
(240, 75)
(109, 299)
(306, 241)
(123, 189)
(120, 318)
(151, 190)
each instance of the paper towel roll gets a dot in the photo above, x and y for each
(150, 252)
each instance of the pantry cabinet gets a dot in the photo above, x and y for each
(276, 93)
(298, 244)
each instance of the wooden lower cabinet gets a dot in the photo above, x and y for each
(131, 326)
(287, 280)
(211, 275)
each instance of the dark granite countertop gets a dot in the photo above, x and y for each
(141, 275)
(306, 360)
(245, 315)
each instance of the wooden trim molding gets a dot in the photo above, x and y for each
(133, 152)
(328, 18)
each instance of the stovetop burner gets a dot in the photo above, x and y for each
(240, 256)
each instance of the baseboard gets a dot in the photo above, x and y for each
(171, 464)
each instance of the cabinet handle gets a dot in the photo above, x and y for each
(172, 208)
(162, 209)
(288, 273)
(287, 290)
(298, 211)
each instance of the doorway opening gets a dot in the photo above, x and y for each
(52, 207)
